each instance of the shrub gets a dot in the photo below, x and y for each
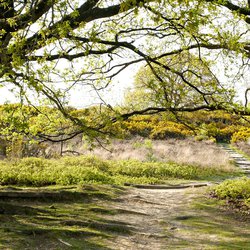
(242, 135)
(168, 129)
(85, 169)
(234, 190)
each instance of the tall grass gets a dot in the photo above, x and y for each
(186, 151)
(89, 169)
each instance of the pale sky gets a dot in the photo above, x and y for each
(83, 96)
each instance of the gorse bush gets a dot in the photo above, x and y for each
(168, 129)
(242, 135)
(86, 169)
(29, 124)
(156, 127)
(218, 126)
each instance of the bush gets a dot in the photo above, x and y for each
(85, 169)
(242, 135)
(156, 127)
(237, 191)
(168, 129)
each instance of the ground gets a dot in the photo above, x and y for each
(105, 217)
(177, 219)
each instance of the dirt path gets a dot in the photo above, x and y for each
(166, 219)
(105, 218)
(181, 219)
(152, 212)
(139, 219)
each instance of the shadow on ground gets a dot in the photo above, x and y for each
(209, 226)
(69, 219)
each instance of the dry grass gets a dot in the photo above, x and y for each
(192, 152)
(244, 147)
(180, 151)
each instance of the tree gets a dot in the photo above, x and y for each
(50, 46)
(191, 84)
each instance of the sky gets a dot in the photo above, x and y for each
(81, 97)
(113, 95)
(6, 95)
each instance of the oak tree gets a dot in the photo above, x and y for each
(48, 47)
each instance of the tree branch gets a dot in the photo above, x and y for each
(233, 7)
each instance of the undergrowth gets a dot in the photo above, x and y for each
(235, 192)
(87, 169)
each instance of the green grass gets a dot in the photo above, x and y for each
(207, 225)
(42, 223)
(85, 169)
(73, 211)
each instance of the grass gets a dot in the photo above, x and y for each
(89, 169)
(206, 224)
(73, 222)
(70, 214)
(188, 151)
(243, 148)
(82, 218)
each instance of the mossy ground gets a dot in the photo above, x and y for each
(99, 216)
(73, 221)
(210, 224)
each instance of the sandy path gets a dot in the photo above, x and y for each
(153, 214)
(166, 219)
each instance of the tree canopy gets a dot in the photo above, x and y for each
(48, 47)
(160, 88)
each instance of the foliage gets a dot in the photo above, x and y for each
(234, 190)
(156, 127)
(216, 126)
(170, 129)
(49, 48)
(26, 131)
(158, 87)
(242, 134)
(85, 169)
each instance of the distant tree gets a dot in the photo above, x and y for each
(188, 86)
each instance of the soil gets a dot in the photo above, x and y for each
(168, 219)
(152, 213)
(105, 217)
